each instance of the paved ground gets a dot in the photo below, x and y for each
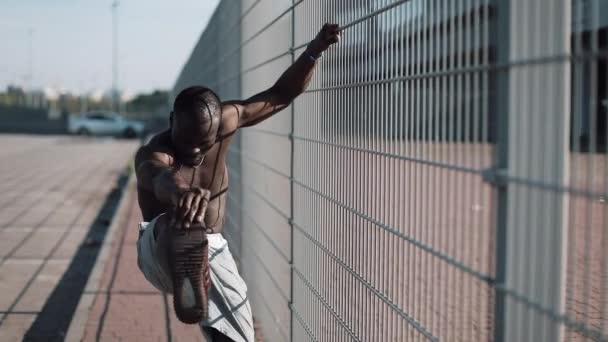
(53, 192)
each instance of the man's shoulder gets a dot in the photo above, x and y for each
(159, 140)
(231, 112)
(157, 148)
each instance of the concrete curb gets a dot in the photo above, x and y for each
(81, 315)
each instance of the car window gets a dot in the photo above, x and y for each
(100, 117)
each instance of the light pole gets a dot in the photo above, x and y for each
(31, 57)
(115, 98)
(30, 71)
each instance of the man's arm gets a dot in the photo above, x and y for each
(291, 83)
(155, 174)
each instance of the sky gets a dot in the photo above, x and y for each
(71, 42)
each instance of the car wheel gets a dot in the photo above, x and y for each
(84, 132)
(130, 133)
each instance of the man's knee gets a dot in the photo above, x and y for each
(160, 236)
(218, 336)
(159, 227)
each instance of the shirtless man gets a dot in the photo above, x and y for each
(182, 182)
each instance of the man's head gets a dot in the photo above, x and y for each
(195, 121)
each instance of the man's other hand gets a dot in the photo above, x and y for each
(329, 34)
(190, 209)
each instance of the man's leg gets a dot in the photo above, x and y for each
(212, 335)
(162, 237)
(161, 234)
(185, 290)
(150, 257)
(207, 335)
(217, 336)
(154, 263)
(161, 231)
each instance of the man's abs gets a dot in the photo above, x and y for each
(214, 217)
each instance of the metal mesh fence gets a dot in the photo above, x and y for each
(444, 177)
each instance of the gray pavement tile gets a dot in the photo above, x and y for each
(17, 229)
(8, 198)
(89, 214)
(71, 243)
(10, 195)
(10, 238)
(15, 326)
(33, 216)
(39, 244)
(65, 215)
(8, 215)
(14, 275)
(55, 227)
(27, 201)
(42, 286)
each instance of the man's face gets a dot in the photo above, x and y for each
(193, 137)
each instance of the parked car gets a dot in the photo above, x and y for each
(105, 123)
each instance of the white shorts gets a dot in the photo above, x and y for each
(229, 308)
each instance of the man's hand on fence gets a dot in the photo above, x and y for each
(329, 34)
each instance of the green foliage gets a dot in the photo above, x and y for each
(148, 102)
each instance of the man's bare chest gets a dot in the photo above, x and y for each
(209, 175)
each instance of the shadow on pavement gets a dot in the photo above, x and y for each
(53, 322)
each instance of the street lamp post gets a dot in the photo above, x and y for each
(30, 71)
(115, 97)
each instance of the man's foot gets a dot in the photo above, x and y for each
(188, 256)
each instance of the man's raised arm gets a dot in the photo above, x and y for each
(291, 83)
(155, 175)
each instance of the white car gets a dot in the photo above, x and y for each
(105, 123)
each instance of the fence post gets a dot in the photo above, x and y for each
(291, 175)
(500, 103)
(532, 103)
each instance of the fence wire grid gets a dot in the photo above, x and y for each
(444, 176)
